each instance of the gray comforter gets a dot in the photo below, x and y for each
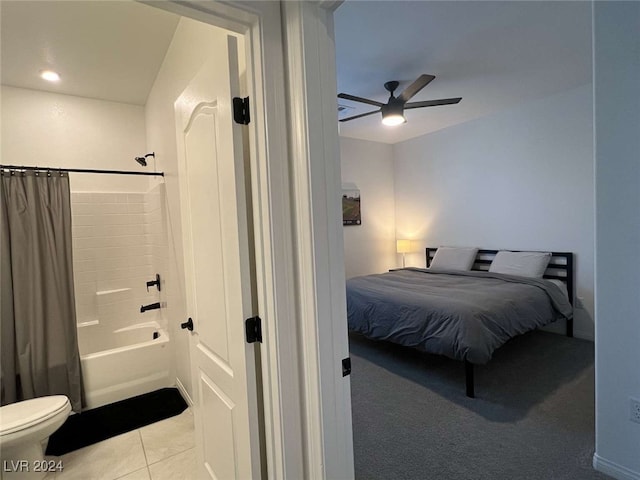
(463, 315)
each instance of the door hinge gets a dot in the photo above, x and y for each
(253, 329)
(346, 366)
(241, 110)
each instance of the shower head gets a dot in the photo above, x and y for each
(143, 160)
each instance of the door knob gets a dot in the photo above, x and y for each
(188, 325)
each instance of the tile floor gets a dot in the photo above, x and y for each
(162, 450)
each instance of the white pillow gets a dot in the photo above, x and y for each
(454, 258)
(524, 264)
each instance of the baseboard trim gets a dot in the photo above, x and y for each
(183, 392)
(613, 469)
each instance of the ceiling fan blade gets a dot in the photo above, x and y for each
(422, 81)
(353, 98)
(433, 103)
(358, 116)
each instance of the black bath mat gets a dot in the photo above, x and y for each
(110, 420)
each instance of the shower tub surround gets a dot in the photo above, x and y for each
(119, 244)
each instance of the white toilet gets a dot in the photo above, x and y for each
(24, 428)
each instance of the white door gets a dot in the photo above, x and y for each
(218, 283)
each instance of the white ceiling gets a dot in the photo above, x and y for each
(111, 50)
(492, 54)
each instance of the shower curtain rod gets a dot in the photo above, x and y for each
(79, 170)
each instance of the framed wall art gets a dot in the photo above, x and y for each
(351, 207)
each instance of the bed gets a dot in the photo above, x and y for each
(464, 315)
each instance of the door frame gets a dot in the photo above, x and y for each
(317, 189)
(295, 180)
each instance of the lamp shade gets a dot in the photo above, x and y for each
(403, 246)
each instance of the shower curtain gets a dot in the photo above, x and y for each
(38, 336)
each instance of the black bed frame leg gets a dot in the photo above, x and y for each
(468, 370)
(570, 327)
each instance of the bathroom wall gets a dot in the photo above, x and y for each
(116, 218)
(64, 131)
(119, 244)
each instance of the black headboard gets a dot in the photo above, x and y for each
(560, 266)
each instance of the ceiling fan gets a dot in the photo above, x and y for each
(393, 110)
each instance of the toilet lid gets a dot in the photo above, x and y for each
(20, 415)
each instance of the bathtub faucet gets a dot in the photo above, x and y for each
(151, 306)
(154, 283)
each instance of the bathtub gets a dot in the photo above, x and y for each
(122, 363)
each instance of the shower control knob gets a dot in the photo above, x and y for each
(188, 325)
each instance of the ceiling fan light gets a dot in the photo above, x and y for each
(393, 112)
(393, 119)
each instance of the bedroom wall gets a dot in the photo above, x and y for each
(617, 76)
(55, 130)
(370, 247)
(519, 179)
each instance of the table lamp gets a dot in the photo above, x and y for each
(403, 246)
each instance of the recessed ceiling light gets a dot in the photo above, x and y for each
(50, 75)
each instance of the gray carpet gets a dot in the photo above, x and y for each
(533, 417)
